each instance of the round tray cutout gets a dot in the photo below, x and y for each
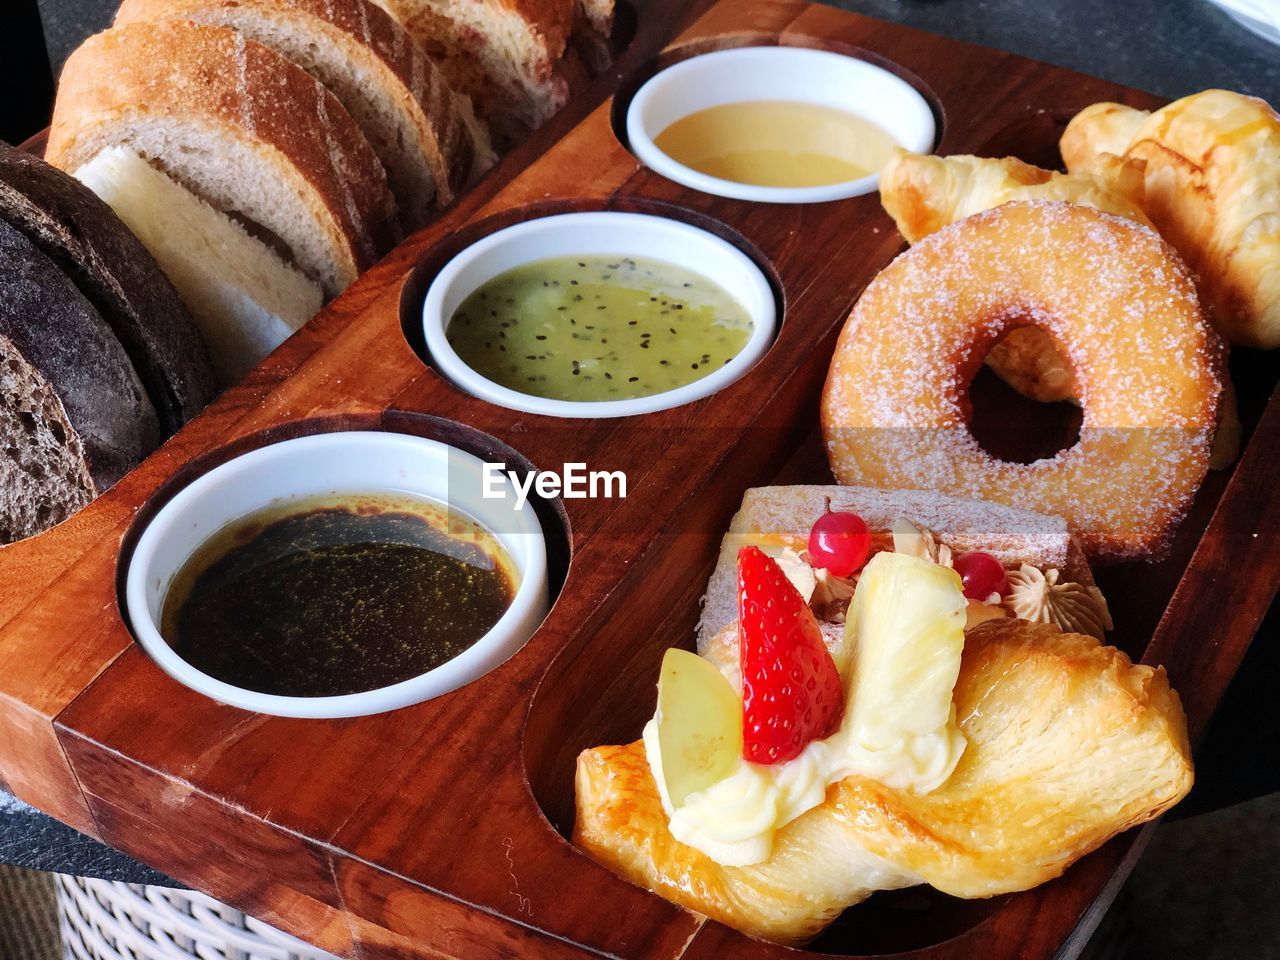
(598, 233)
(324, 464)
(840, 80)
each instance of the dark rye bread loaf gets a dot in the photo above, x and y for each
(116, 274)
(73, 415)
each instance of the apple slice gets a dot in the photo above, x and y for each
(699, 725)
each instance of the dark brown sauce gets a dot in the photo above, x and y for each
(337, 597)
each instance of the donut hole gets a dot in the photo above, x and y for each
(1018, 416)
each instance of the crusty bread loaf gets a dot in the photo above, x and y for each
(1009, 534)
(73, 416)
(383, 78)
(240, 126)
(82, 235)
(245, 299)
(505, 54)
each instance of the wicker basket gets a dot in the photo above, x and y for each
(125, 921)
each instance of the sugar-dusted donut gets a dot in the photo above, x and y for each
(1119, 304)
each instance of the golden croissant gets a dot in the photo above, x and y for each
(925, 193)
(1069, 743)
(1211, 187)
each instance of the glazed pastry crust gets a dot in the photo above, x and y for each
(1212, 188)
(1069, 743)
(1029, 361)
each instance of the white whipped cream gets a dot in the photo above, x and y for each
(733, 821)
(899, 728)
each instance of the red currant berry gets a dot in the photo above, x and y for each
(982, 575)
(839, 542)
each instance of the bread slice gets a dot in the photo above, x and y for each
(598, 16)
(240, 126)
(87, 241)
(73, 415)
(782, 517)
(592, 35)
(245, 299)
(504, 54)
(401, 102)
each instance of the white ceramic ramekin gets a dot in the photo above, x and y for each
(775, 73)
(605, 234)
(321, 465)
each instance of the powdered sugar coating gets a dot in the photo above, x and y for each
(1116, 300)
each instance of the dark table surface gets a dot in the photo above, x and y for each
(1169, 47)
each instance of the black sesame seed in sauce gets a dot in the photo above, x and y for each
(579, 360)
(337, 596)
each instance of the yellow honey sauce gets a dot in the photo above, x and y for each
(777, 143)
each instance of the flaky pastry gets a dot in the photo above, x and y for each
(1212, 188)
(1068, 743)
(925, 193)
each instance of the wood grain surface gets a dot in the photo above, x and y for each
(439, 830)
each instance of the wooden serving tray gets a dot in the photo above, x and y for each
(439, 830)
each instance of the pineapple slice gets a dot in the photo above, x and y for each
(698, 727)
(903, 638)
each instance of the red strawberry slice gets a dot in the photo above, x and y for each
(791, 690)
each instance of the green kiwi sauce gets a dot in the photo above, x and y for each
(337, 596)
(592, 328)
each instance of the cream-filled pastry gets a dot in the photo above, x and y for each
(899, 727)
(799, 764)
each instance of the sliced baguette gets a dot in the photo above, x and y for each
(240, 126)
(400, 101)
(245, 299)
(73, 415)
(504, 54)
(82, 235)
(783, 516)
